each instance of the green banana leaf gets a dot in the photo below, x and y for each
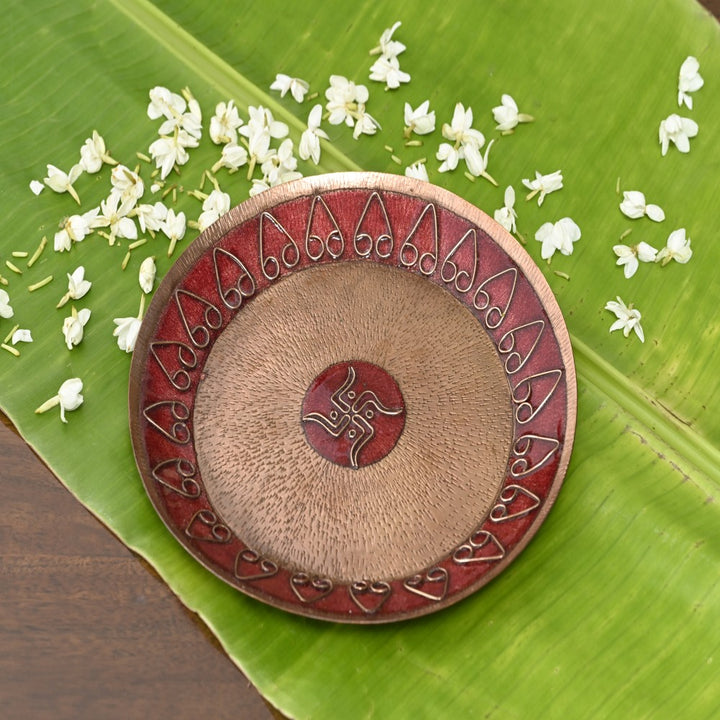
(614, 608)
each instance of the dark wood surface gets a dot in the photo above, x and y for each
(87, 630)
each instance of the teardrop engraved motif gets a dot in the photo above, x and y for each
(410, 253)
(507, 343)
(522, 463)
(527, 409)
(260, 569)
(243, 286)
(205, 525)
(432, 585)
(482, 546)
(187, 359)
(289, 254)
(363, 241)
(199, 334)
(316, 245)
(451, 273)
(177, 474)
(308, 589)
(179, 414)
(485, 300)
(521, 498)
(369, 596)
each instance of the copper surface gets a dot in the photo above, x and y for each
(369, 282)
(393, 517)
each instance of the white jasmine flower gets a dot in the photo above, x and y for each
(420, 121)
(676, 248)
(215, 205)
(297, 87)
(169, 151)
(387, 46)
(261, 119)
(114, 215)
(417, 170)
(677, 130)
(387, 69)
(225, 123)
(628, 318)
(365, 124)
(634, 206)
(77, 286)
(173, 107)
(21, 335)
(191, 121)
(543, 184)
(150, 217)
(233, 156)
(146, 274)
(310, 140)
(127, 329)
(449, 157)
(174, 228)
(460, 128)
(507, 115)
(476, 162)
(74, 229)
(506, 215)
(689, 80)
(344, 98)
(69, 398)
(557, 236)
(164, 103)
(61, 182)
(280, 166)
(94, 153)
(127, 184)
(6, 310)
(631, 256)
(73, 327)
(258, 186)
(36, 186)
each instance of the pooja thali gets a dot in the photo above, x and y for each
(353, 398)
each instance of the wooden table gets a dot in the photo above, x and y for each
(95, 633)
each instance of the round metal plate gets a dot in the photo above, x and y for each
(353, 397)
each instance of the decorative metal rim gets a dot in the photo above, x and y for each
(424, 584)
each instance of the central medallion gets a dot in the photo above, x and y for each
(353, 413)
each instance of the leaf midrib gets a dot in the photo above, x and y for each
(681, 441)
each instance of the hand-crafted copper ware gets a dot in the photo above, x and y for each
(353, 398)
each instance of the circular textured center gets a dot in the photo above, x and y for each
(353, 413)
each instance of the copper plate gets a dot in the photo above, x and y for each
(353, 397)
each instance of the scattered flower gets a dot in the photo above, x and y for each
(280, 166)
(689, 80)
(506, 215)
(214, 206)
(417, 170)
(170, 151)
(36, 186)
(346, 104)
(94, 153)
(127, 184)
(174, 228)
(543, 184)
(507, 115)
(677, 130)
(77, 286)
(387, 46)
(477, 163)
(557, 236)
(260, 129)
(6, 310)
(75, 229)
(73, 327)
(310, 139)
(630, 256)
(114, 215)
(225, 123)
(467, 143)
(387, 69)
(460, 129)
(127, 329)
(295, 86)
(676, 248)
(365, 124)
(68, 398)
(628, 318)
(61, 182)
(420, 121)
(150, 217)
(258, 185)
(233, 157)
(146, 275)
(634, 206)
(21, 335)
(173, 107)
